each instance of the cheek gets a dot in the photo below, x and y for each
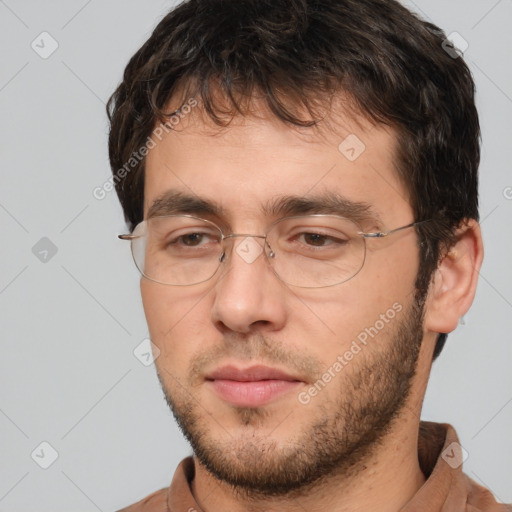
(176, 320)
(374, 297)
(166, 307)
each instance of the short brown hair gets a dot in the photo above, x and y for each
(301, 52)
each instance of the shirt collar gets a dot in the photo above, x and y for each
(440, 457)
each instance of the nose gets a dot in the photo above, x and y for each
(247, 295)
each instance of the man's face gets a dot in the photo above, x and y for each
(330, 367)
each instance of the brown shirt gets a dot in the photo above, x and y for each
(447, 488)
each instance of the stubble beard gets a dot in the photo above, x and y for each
(342, 434)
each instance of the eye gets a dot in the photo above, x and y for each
(191, 240)
(317, 239)
(194, 239)
(312, 239)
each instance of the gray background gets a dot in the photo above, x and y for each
(71, 320)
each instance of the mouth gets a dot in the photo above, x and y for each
(255, 386)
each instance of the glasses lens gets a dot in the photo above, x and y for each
(311, 251)
(315, 251)
(177, 250)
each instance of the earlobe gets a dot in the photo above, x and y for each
(454, 282)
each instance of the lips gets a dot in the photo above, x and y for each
(252, 374)
(255, 386)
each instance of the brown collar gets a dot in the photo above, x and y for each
(447, 488)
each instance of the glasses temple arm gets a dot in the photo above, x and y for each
(382, 234)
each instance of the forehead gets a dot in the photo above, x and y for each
(259, 158)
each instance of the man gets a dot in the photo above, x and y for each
(300, 182)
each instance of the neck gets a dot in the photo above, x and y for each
(386, 480)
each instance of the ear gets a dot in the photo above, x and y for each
(453, 287)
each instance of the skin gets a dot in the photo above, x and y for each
(245, 315)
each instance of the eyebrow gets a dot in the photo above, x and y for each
(176, 203)
(173, 202)
(326, 203)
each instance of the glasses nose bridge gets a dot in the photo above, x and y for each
(245, 235)
(238, 235)
(233, 236)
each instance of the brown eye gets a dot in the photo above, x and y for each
(192, 240)
(320, 240)
(315, 239)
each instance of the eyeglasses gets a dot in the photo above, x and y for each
(309, 251)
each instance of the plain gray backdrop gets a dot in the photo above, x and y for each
(71, 315)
